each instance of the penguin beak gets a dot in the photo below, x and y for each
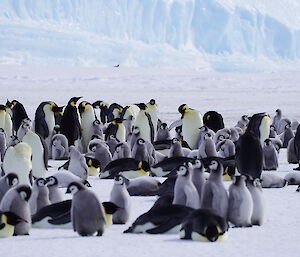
(68, 191)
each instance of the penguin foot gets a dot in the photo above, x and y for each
(99, 233)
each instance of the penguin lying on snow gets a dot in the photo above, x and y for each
(142, 186)
(8, 222)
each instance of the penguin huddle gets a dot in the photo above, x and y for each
(193, 157)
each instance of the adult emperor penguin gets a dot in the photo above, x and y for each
(58, 115)
(128, 116)
(213, 120)
(255, 189)
(144, 122)
(185, 193)
(39, 154)
(5, 121)
(204, 225)
(40, 195)
(153, 111)
(16, 201)
(116, 128)
(70, 123)
(88, 117)
(240, 205)
(18, 113)
(44, 121)
(17, 159)
(7, 182)
(270, 156)
(249, 152)
(8, 221)
(214, 193)
(3, 143)
(103, 110)
(78, 164)
(87, 213)
(120, 196)
(191, 121)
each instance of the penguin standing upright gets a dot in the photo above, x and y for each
(5, 121)
(87, 212)
(116, 128)
(128, 116)
(103, 110)
(270, 156)
(44, 121)
(153, 111)
(70, 124)
(144, 123)
(18, 113)
(163, 133)
(191, 121)
(58, 115)
(7, 182)
(120, 196)
(39, 154)
(17, 159)
(3, 143)
(88, 117)
(40, 195)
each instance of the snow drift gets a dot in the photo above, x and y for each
(205, 34)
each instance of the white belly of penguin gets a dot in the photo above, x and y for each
(87, 127)
(50, 120)
(143, 124)
(143, 228)
(44, 223)
(264, 129)
(190, 128)
(20, 166)
(121, 133)
(133, 174)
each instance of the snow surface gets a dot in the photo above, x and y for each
(221, 35)
(232, 94)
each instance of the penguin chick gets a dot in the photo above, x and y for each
(40, 195)
(163, 133)
(55, 195)
(59, 147)
(240, 205)
(87, 212)
(7, 182)
(122, 151)
(78, 164)
(176, 148)
(270, 156)
(120, 196)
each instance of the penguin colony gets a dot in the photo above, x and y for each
(194, 154)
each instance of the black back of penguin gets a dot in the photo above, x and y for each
(213, 120)
(18, 113)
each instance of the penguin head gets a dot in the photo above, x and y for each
(278, 111)
(23, 149)
(214, 165)
(245, 118)
(96, 122)
(74, 187)
(175, 140)
(117, 121)
(182, 108)
(142, 106)
(182, 170)
(81, 107)
(87, 184)
(119, 180)
(135, 130)
(288, 126)
(140, 141)
(203, 129)
(257, 182)
(256, 121)
(272, 127)
(12, 179)
(99, 104)
(9, 104)
(152, 102)
(207, 136)
(163, 126)
(11, 218)
(198, 164)
(212, 233)
(2, 131)
(41, 182)
(73, 101)
(144, 166)
(51, 181)
(110, 207)
(2, 108)
(24, 191)
(268, 142)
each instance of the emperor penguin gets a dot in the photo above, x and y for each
(270, 156)
(273, 133)
(240, 205)
(77, 164)
(70, 124)
(258, 213)
(198, 177)
(243, 122)
(24, 128)
(287, 135)
(55, 195)
(116, 128)
(202, 132)
(176, 148)
(3, 143)
(114, 111)
(293, 178)
(44, 121)
(221, 135)
(59, 147)
(8, 221)
(185, 193)
(144, 122)
(5, 121)
(191, 121)
(103, 110)
(112, 142)
(88, 117)
(17, 159)
(204, 225)
(277, 118)
(87, 212)
(128, 116)
(39, 154)
(226, 148)
(139, 151)
(283, 123)
(271, 180)
(120, 196)
(153, 111)
(213, 120)
(40, 195)
(18, 113)
(122, 151)
(142, 186)
(297, 146)
(100, 151)
(16, 201)
(7, 182)
(97, 129)
(249, 152)
(214, 193)
(291, 152)
(163, 133)
(207, 148)
(58, 115)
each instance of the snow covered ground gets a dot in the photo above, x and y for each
(232, 94)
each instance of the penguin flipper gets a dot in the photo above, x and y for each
(65, 165)
(62, 219)
(175, 124)
(165, 227)
(151, 126)
(41, 126)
